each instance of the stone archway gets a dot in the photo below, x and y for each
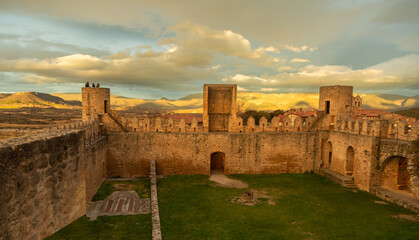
(395, 175)
(350, 156)
(327, 152)
(217, 162)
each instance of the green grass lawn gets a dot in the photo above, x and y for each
(308, 206)
(112, 227)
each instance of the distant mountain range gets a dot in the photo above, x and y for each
(193, 103)
(35, 99)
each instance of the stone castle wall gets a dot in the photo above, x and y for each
(46, 180)
(95, 155)
(365, 152)
(187, 153)
(370, 154)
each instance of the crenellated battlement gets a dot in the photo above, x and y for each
(156, 125)
(382, 128)
(220, 115)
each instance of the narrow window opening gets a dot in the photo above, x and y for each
(327, 105)
(106, 106)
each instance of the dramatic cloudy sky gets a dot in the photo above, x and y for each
(150, 49)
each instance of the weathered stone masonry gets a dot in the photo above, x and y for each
(47, 179)
(45, 183)
(187, 153)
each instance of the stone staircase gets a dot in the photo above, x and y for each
(115, 120)
(349, 183)
(315, 125)
(345, 181)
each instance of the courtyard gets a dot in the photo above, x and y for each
(285, 206)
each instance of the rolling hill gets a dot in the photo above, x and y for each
(412, 112)
(36, 100)
(255, 101)
(193, 102)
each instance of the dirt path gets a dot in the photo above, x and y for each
(224, 181)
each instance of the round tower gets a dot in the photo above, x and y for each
(336, 100)
(95, 101)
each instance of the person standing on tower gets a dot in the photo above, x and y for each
(87, 84)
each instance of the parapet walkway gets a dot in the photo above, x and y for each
(398, 198)
(155, 215)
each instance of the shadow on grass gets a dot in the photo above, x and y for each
(112, 227)
(140, 185)
(107, 227)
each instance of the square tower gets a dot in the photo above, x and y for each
(95, 101)
(220, 107)
(336, 100)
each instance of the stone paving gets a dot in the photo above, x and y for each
(119, 203)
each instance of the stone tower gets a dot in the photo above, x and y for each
(336, 100)
(220, 107)
(95, 101)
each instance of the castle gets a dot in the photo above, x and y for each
(47, 179)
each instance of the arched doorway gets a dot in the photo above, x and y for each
(350, 155)
(326, 154)
(217, 162)
(329, 153)
(394, 174)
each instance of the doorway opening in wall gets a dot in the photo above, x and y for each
(326, 153)
(327, 105)
(105, 106)
(217, 162)
(394, 174)
(350, 155)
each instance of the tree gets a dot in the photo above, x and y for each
(240, 106)
(276, 113)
